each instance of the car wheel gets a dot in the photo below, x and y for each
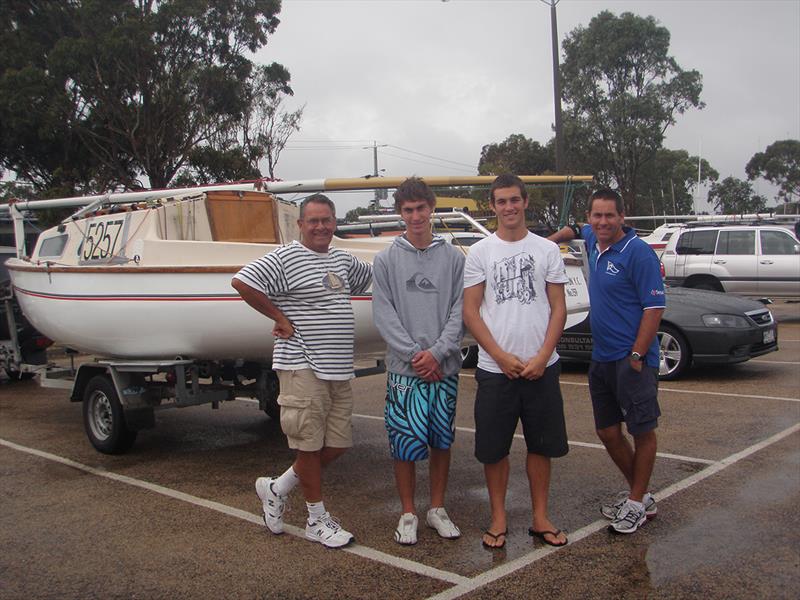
(104, 418)
(673, 353)
(469, 357)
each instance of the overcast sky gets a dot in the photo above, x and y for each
(436, 81)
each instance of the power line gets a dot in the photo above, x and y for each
(424, 162)
(433, 157)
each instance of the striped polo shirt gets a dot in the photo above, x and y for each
(313, 290)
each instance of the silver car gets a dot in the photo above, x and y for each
(749, 260)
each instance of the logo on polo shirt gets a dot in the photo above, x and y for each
(611, 269)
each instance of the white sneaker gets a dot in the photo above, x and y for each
(437, 519)
(327, 531)
(610, 510)
(629, 518)
(272, 504)
(406, 532)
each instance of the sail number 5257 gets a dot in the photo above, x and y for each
(100, 241)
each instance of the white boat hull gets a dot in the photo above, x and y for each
(141, 316)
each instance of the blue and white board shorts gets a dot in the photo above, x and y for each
(419, 414)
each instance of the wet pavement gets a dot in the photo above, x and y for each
(177, 516)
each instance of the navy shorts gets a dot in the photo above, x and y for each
(419, 414)
(620, 393)
(501, 403)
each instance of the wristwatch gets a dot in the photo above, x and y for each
(636, 356)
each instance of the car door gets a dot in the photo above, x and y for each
(693, 253)
(735, 263)
(778, 264)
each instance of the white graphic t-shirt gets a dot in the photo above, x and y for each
(515, 306)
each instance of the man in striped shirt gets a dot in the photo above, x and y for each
(305, 288)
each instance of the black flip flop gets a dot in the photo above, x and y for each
(540, 534)
(496, 537)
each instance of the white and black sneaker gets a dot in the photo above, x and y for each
(406, 532)
(327, 531)
(629, 518)
(610, 510)
(272, 504)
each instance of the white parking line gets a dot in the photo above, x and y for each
(776, 362)
(680, 391)
(524, 561)
(462, 585)
(363, 551)
(519, 436)
(692, 459)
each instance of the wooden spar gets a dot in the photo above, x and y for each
(285, 187)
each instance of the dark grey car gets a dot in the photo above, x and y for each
(698, 328)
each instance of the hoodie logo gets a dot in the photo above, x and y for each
(419, 283)
(611, 269)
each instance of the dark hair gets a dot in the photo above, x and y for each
(507, 180)
(607, 194)
(412, 189)
(317, 199)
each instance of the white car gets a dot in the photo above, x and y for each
(749, 260)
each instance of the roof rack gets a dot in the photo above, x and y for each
(732, 220)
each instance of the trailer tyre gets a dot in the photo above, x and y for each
(18, 375)
(104, 418)
(270, 403)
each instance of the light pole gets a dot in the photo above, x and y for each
(379, 194)
(556, 87)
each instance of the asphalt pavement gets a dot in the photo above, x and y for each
(177, 516)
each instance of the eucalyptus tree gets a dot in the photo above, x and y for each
(779, 164)
(99, 93)
(734, 196)
(621, 91)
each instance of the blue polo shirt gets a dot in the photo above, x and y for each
(624, 281)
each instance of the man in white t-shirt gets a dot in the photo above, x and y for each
(514, 306)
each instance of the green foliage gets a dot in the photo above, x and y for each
(621, 91)
(517, 154)
(734, 196)
(352, 215)
(780, 165)
(667, 183)
(97, 93)
(267, 126)
(207, 164)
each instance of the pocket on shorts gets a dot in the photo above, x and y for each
(294, 403)
(294, 414)
(642, 390)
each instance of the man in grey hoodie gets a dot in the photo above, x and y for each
(417, 303)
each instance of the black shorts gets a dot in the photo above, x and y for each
(620, 393)
(500, 403)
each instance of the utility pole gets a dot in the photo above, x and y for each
(379, 194)
(556, 88)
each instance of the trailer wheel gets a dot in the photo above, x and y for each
(270, 403)
(19, 375)
(104, 419)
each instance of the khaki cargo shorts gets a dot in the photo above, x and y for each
(315, 412)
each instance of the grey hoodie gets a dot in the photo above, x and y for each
(417, 298)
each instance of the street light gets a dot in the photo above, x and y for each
(556, 87)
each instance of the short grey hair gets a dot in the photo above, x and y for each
(317, 199)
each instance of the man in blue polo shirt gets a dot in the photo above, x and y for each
(627, 299)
